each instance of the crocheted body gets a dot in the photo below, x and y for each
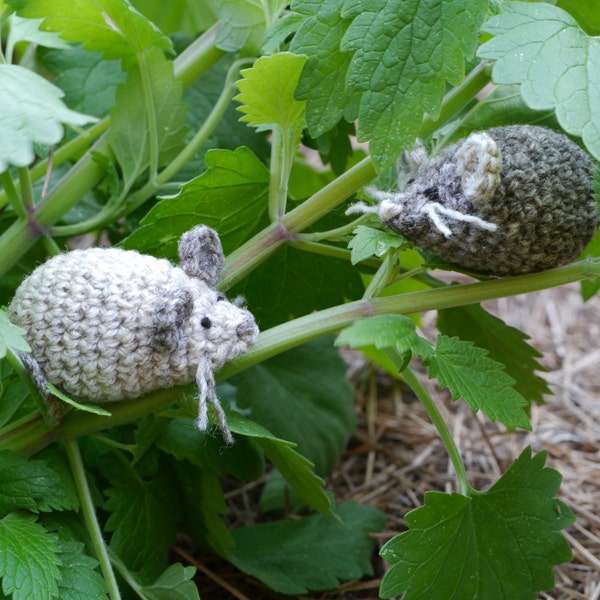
(510, 200)
(110, 324)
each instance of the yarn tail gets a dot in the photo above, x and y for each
(207, 394)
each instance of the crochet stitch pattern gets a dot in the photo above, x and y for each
(108, 324)
(510, 200)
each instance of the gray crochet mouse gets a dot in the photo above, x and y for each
(110, 324)
(510, 200)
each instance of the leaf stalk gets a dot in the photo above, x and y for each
(89, 517)
(438, 421)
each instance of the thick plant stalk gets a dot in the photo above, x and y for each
(32, 434)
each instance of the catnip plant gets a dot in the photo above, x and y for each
(131, 123)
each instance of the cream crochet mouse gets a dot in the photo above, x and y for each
(510, 200)
(110, 324)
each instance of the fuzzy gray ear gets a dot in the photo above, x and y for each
(479, 164)
(201, 254)
(409, 163)
(172, 312)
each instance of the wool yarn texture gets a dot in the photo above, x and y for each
(509, 200)
(112, 324)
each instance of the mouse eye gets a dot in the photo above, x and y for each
(220, 298)
(206, 323)
(432, 194)
(411, 180)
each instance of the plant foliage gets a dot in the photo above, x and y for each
(131, 122)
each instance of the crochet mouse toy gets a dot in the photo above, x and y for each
(110, 324)
(510, 200)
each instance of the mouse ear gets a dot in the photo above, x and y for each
(478, 163)
(201, 254)
(173, 310)
(409, 163)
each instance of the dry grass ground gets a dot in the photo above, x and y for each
(396, 455)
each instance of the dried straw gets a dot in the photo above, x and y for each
(395, 455)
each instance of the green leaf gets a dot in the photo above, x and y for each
(31, 484)
(368, 242)
(112, 27)
(590, 287)
(29, 559)
(469, 373)
(313, 553)
(244, 23)
(178, 16)
(386, 331)
(182, 439)
(203, 506)
(404, 52)
(317, 404)
(11, 336)
(63, 497)
(279, 31)
(496, 545)
(231, 197)
(130, 137)
(504, 343)
(143, 516)
(174, 584)
(323, 80)
(32, 113)
(28, 30)
(230, 133)
(79, 574)
(88, 81)
(585, 12)
(267, 94)
(504, 105)
(292, 283)
(295, 468)
(15, 400)
(557, 64)
(85, 407)
(148, 430)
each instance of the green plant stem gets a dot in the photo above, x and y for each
(31, 434)
(209, 125)
(21, 371)
(333, 234)
(52, 248)
(330, 320)
(110, 212)
(264, 244)
(243, 260)
(26, 188)
(459, 97)
(277, 203)
(382, 277)
(150, 118)
(71, 150)
(89, 517)
(22, 234)
(442, 428)
(198, 57)
(328, 250)
(12, 195)
(125, 573)
(86, 173)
